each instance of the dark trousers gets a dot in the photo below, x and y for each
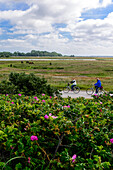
(72, 87)
(96, 89)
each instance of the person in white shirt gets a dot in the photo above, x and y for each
(73, 82)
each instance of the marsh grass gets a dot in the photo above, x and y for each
(59, 72)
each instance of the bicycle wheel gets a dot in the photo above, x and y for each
(101, 91)
(90, 91)
(66, 89)
(76, 89)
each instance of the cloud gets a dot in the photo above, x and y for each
(56, 26)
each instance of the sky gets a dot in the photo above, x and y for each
(69, 27)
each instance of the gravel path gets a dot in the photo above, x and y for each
(73, 95)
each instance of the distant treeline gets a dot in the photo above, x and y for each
(32, 53)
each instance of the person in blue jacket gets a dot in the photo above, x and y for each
(97, 85)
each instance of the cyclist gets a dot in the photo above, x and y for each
(97, 85)
(73, 82)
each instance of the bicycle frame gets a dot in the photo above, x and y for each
(91, 90)
(68, 88)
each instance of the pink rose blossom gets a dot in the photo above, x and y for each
(12, 102)
(43, 100)
(95, 94)
(73, 158)
(50, 97)
(54, 117)
(6, 94)
(111, 140)
(46, 116)
(35, 97)
(43, 94)
(66, 106)
(34, 138)
(19, 94)
(29, 160)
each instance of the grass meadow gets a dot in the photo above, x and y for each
(59, 72)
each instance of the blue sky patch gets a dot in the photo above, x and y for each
(66, 35)
(6, 26)
(45, 33)
(14, 6)
(100, 1)
(99, 13)
(7, 32)
(6, 36)
(59, 25)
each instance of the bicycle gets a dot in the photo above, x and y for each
(76, 89)
(91, 90)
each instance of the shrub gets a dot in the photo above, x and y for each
(44, 132)
(27, 84)
(8, 87)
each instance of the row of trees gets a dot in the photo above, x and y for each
(32, 53)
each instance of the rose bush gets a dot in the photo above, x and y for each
(43, 132)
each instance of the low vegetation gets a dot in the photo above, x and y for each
(59, 72)
(45, 132)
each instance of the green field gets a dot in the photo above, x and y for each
(59, 72)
